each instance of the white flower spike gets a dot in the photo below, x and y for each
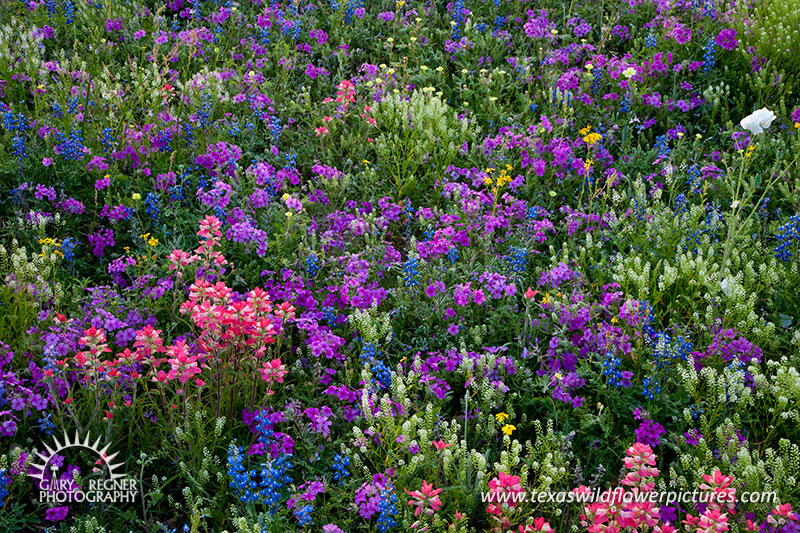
(757, 121)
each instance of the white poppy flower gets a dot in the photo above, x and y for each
(727, 286)
(757, 121)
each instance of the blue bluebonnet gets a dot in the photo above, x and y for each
(668, 349)
(69, 11)
(408, 211)
(350, 9)
(72, 145)
(458, 18)
(17, 125)
(663, 146)
(625, 105)
(410, 272)
(46, 425)
(153, 206)
(597, 74)
(187, 130)
(692, 241)
(694, 177)
(176, 192)
(388, 510)
(710, 55)
(275, 128)
(517, 259)
(611, 369)
(452, 254)
(18, 144)
(709, 9)
(681, 203)
(164, 140)
(303, 515)
(651, 387)
(645, 313)
(73, 105)
(341, 464)
(4, 481)
(312, 265)
(329, 315)
(788, 236)
(261, 484)
(291, 159)
(204, 109)
(381, 372)
(107, 139)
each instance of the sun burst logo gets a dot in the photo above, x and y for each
(112, 485)
(104, 458)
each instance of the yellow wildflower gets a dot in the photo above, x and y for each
(508, 429)
(503, 178)
(592, 138)
(500, 417)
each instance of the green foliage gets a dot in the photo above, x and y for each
(419, 138)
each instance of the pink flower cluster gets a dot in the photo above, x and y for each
(615, 511)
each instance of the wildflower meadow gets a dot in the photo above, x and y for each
(347, 266)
